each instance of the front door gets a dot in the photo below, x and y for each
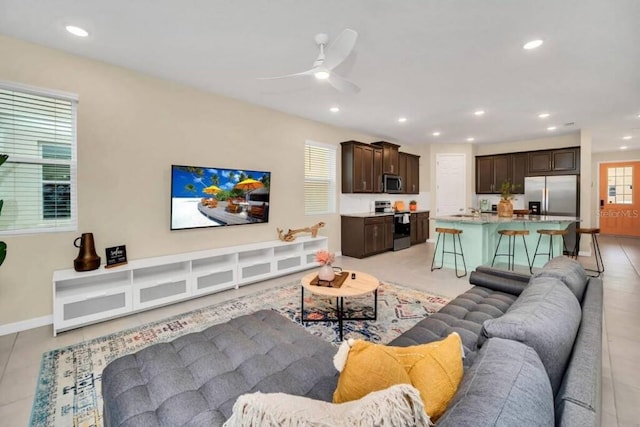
(619, 204)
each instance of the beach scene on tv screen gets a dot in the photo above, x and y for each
(213, 197)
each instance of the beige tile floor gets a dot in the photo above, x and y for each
(20, 353)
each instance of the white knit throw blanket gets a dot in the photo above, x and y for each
(399, 405)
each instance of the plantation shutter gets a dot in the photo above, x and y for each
(319, 178)
(38, 180)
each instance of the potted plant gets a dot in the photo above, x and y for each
(3, 245)
(505, 207)
(413, 205)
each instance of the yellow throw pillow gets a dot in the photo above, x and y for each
(435, 369)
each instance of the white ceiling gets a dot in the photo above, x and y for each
(432, 61)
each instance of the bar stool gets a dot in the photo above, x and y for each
(549, 233)
(596, 248)
(453, 232)
(511, 256)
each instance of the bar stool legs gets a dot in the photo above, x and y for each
(596, 248)
(550, 254)
(453, 232)
(511, 235)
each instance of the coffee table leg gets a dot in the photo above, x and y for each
(375, 304)
(301, 304)
(340, 315)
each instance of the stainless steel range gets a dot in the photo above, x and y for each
(401, 230)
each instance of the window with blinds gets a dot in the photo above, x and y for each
(38, 180)
(319, 178)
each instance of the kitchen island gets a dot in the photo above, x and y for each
(480, 236)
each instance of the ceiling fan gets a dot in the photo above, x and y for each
(329, 58)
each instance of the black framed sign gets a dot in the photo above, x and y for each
(116, 256)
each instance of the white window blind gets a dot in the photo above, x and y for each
(319, 178)
(38, 181)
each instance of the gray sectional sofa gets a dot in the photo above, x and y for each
(532, 345)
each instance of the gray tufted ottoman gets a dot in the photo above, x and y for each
(194, 380)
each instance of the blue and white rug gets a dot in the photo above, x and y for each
(68, 391)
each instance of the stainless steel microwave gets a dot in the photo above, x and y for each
(392, 183)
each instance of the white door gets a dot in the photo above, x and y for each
(451, 179)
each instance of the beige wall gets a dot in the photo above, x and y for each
(131, 128)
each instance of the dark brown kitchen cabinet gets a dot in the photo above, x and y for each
(419, 227)
(390, 157)
(357, 167)
(365, 236)
(491, 172)
(409, 167)
(377, 170)
(518, 172)
(554, 162)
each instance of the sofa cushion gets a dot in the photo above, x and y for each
(464, 315)
(435, 369)
(196, 378)
(507, 385)
(393, 406)
(546, 317)
(569, 271)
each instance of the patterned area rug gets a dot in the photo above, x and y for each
(68, 392)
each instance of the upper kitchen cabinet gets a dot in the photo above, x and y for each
(565, 161)
(390, 157)
(377, 170)
(357, 167)
(492, 171)
(518, 172)
(411, 173)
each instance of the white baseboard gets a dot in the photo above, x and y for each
(584, 253)
(12, 328)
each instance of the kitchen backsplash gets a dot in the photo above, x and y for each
(518, 201)
(359, 203)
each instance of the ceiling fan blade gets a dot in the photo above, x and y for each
(304, 73)
(342, 84)
(341, 47)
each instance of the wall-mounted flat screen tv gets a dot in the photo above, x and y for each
(214, 197)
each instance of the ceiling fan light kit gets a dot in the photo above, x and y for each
(328, 59)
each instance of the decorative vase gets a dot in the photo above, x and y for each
(505, 208)
(326, 273)
(413, 207)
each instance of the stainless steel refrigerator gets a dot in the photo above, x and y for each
(554, 195)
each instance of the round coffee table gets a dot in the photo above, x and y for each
(362, 284)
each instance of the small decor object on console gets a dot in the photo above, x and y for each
(326, 272)
(291, 234)
(3, 245)
(116, 256)
(87, 259)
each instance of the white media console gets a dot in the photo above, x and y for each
(82, 298)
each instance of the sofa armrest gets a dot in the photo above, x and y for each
(507, 274)
(511, 283)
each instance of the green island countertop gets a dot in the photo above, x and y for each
(480, 236)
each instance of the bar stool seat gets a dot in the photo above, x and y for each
(550, 254)
(511, 235)
(596, 248)
(453, 232)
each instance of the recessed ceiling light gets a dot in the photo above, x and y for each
(532, 44)
(334, 109)
(627, 137)
(402, 119)
(471, 139)
(77, 31)
(624, 147)
(321, 75)
(551, 128)
(479, 112)
(543, 115)
(436, 133)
